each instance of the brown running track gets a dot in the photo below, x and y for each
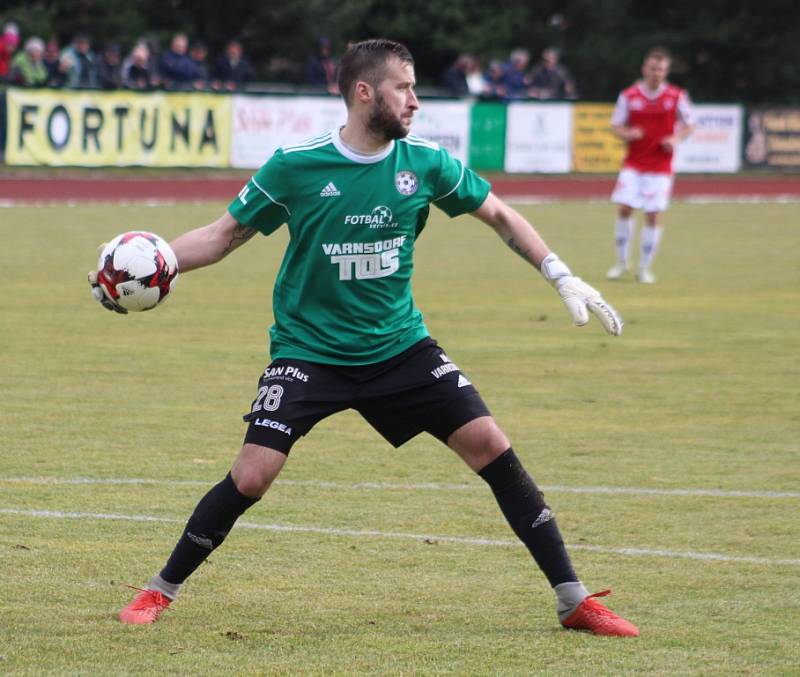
(28, 190)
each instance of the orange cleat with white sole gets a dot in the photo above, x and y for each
(145, 608)
(593, 616)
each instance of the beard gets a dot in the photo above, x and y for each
(382, 122)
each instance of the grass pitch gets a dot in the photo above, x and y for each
(670, 456)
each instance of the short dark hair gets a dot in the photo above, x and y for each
(660, 53)
(366, 61)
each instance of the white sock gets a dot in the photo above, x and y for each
(569, 596)
(623, 233)
(651, 237)
(166, 588)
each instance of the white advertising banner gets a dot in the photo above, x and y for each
(716, 143)
(446, 123)
(539, 137)
(262, 124)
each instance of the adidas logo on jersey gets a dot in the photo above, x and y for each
(463, 381)
(330, 191)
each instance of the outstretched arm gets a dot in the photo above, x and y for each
(209, 244)
(579, 298)
(514, 230)
(194, 249)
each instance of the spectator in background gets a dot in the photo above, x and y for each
(454, 79)
(475, 82)
(83, 70)
(515, 74)
(137, 69)
(9, 42)
(198, 53)
(27, 66)
(232, 70)
(176, 69)
(52, 60)
(109, 67)
(153, 57)
(550, 80)
(66, 64)
(463, 77)
(321, 67)
(494, 81)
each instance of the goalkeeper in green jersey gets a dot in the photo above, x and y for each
(347, 334)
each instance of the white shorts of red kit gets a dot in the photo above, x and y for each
(643, 190)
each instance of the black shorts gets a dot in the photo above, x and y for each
(419, 390)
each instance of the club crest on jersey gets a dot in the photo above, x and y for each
(406, 183)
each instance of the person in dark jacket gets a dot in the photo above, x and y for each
(82, 63)
(232, 70)
(550, 80)
(176, 67)
(322, 67)
(109, 68)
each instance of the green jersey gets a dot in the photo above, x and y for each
(343, 292)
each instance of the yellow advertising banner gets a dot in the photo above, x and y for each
(91, 129)
(594, 147)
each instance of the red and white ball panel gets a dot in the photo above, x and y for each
(138, 270)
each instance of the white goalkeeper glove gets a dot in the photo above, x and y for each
(99, 292)
(579, 297)
(101, 295)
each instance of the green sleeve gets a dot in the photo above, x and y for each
(263, 203)
(459, 189)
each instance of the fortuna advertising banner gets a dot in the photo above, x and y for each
(93, 128)
(715, 145)
(539, 137)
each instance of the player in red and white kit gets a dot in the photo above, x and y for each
(652, 117)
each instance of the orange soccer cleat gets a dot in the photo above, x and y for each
(593, 616)
(145, 608)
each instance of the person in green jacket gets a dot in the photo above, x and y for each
(27, 67)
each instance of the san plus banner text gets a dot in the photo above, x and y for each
(88, 128)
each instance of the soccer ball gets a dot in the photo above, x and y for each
(137, 270)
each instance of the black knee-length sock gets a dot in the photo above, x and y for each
(208, 526)
(529, 516)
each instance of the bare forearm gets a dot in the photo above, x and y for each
(203, 246)
(626, 133)
(520, 236)
(683, 132)
(524, 241)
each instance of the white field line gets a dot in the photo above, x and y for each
(429, 538)
(755, 198)
(424, 486)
